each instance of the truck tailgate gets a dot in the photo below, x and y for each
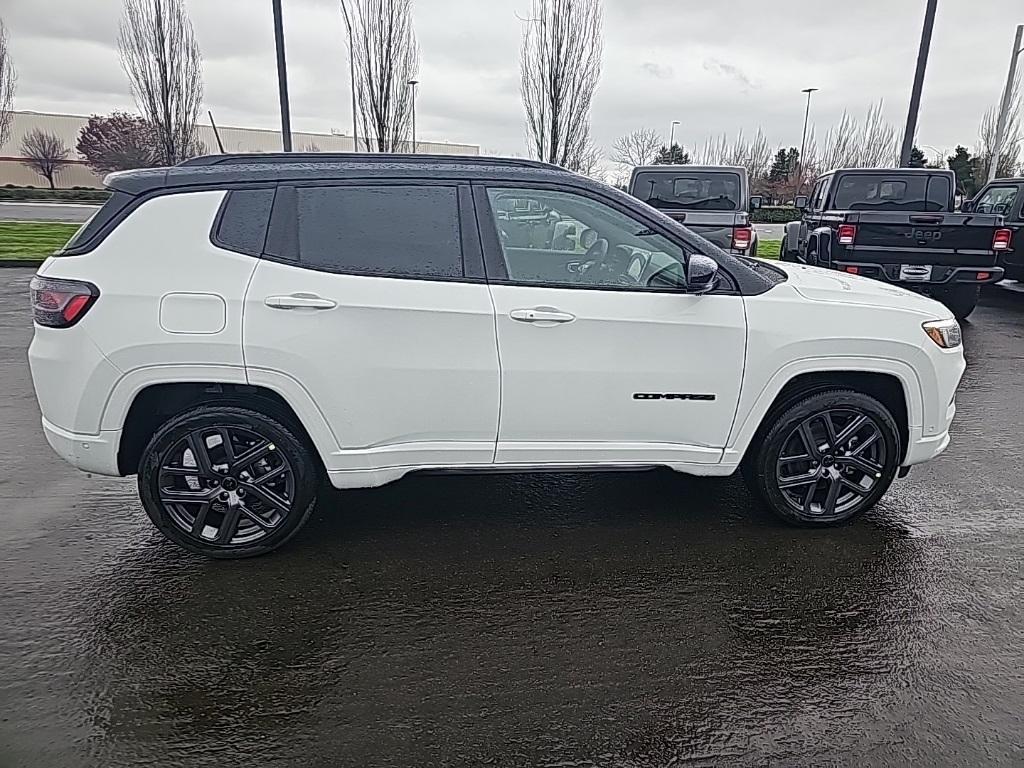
(948, 239)
(715, 226)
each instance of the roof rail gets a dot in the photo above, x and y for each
(285, 158)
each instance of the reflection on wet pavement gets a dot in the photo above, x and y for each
(565, 620)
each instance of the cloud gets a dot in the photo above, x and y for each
(730, 71)
(659, 71)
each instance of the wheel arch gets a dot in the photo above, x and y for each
(154, 404)
(899, 393)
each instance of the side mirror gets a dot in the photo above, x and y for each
(756, 201)
(967, 206)
(701, 273)
(800, 201)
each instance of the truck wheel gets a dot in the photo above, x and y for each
(227, 482)
(825, 459)
(960, 299)
(784, 254)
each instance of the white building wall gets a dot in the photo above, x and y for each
(67, 127)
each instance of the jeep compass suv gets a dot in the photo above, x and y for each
(235, 329)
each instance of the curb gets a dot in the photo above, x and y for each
(33, 263)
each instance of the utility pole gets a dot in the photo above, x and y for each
(803, 141)
(915, 93)
(282, 78)
(1004, 105)
(413, 84)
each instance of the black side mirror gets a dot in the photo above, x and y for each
(756, 201)
(800, 201)
(701, 273)
(967, 206)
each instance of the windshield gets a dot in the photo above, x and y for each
(688, 190)
(893, 192)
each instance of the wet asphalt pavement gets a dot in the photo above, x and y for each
(563, 620)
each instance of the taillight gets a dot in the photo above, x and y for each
(60, 303)
(1001, 240)
(742, 237)
(847, 234)
(853, 270)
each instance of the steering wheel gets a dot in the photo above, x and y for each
(592, 260)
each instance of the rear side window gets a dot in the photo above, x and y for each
(98, 225)
(242, 225)
(397, 231)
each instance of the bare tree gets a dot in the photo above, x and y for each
(851, 144)
(8, 81)
(589, 162)
(638, 147)
(44, 153)
(1011, 144)
(161, 57)
(560, 68)
(386, 57)
(754, 155)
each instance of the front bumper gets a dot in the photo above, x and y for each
(89, 453)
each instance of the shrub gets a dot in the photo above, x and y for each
(775, 214)
(70, 195)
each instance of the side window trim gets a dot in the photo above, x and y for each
(494, 259)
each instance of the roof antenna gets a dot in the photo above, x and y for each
(216, 133)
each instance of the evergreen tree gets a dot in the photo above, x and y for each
(674, 156)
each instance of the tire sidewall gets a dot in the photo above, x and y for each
(285, 441)
(788, 420)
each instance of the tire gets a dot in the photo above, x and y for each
(247, 501)
(783, 252)
(824, 482)
(960, 299)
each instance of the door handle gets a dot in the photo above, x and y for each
(541, 315)
(299, 301)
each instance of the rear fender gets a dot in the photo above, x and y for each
(819, 242)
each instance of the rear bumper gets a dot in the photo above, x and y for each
(939, 275)
(89, 453)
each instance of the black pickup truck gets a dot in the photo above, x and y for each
(898, 225)
(1005, 197)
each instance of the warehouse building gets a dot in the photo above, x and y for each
(14, 172)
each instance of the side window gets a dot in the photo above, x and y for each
(606, 248)
(390, 230)
(813, 202)
(242, 224)
(997, 200)
(938, 194)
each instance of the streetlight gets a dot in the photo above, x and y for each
(915, 91)
(672, 135)
(413, 84)
(1004, 104)
(803, 141)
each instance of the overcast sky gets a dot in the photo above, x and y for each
(716, 65)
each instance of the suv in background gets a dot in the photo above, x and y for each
(236, 329)
(713, 201)
(1004, 197)
(898, 225)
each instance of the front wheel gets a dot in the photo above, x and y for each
(960, 299)
(227, 482)
(826, 459)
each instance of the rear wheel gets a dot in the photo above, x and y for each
(960, 299)
(227, 482)
(784, 254)
(826, 459)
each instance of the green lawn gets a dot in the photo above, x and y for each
(30, 240)
(768, 249)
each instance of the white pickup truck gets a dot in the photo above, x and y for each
(236, 329)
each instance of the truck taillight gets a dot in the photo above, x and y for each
(60, 303)
(847, 234)
(742, 237)
(1001, 240)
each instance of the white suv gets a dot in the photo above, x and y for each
(235, 329)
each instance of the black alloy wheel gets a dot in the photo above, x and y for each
(227, 482)
(830, 463)
(826, 458)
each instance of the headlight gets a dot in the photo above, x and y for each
(945, 333)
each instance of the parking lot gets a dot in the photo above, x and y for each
(577, 619)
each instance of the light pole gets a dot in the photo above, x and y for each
(413, 84)
(351, 76)
(282, 79)
(803, 141)
(672, 136)
(1004, 105)
(915, 93)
